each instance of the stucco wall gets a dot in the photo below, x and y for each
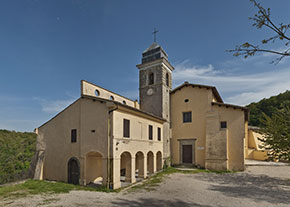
(56, 134)
(94, 116)
(236, 134)
(254, 141)
(89, 89)
(90, 119)
(214, 148)
(255, 150)
(137, 142)
(217, 140)
(199, 100)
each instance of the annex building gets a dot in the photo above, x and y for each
(106, 138)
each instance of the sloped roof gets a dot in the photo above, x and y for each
(104, 100)
(230, 105)
(214, 90)
(245, 109)
(153, 46)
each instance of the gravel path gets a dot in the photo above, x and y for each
(259, 186)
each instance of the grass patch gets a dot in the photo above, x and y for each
(155, 180)
(32, 187)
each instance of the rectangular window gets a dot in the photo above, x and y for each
(126, 128)
(150, 132)
(223, 124)
(73, 135)
(151, 78)
(159, 134)
(186, 117)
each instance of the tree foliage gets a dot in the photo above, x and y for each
(262, 19)
(268, 107)
(276, 132)
(272, 115)
(16, 152)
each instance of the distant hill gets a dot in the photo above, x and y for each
(268, 106)
(16, 152)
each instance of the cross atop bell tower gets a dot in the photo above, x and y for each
(154, 33)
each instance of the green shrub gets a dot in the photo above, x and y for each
(17, 151)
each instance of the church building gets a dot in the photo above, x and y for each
(106, 138)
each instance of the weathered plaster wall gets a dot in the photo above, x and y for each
(217, 149)
(58, 149)
(235, 119)
(90, 119)
(199, 100)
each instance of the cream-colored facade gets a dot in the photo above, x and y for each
(100, 150)
(253, 146)
(212, 147)
(105, 138)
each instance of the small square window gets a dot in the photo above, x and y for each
(223, 124)
(186, 117)
(73, 135)
(159, 134)
(150, 133)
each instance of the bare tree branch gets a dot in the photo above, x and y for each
(262, 18)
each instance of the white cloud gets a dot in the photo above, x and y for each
(238, 87)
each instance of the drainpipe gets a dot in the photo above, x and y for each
(109, 149)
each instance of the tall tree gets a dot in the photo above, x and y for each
(276, 132)
(261, 20)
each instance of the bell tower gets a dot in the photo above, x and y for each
(155, 83)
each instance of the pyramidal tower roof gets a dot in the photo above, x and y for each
(154, 52)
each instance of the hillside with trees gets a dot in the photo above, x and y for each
(267, 106)
(16, 153)
(272, 115)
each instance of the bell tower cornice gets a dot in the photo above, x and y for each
(162, 61)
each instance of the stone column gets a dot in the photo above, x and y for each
(104, 171)
(116, 173)
(142, 168)
(128, 167)
(154, 163)
(133, 169)
(82, 176)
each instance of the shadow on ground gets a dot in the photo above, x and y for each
(150, 202)
(255, 187)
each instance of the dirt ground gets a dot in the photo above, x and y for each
(259, 186)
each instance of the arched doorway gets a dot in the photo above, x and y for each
(139, 163)
(125, 172)
(73, 171)
(150, 162)
(94, 168)
(159, 161)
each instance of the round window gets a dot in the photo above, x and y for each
(97, 93)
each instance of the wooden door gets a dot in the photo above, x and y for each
(187, 154)
(73, 172)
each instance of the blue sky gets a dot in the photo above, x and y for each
(48, 46)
